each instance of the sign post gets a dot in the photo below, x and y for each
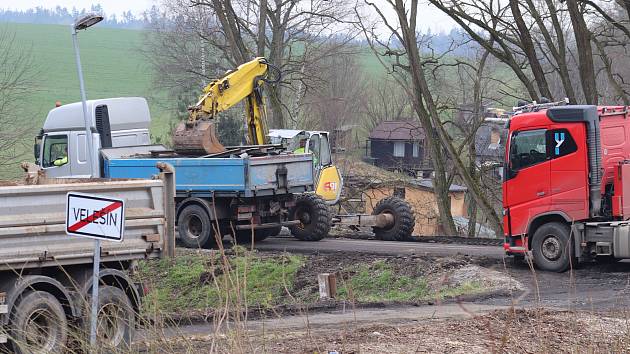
(99, 218)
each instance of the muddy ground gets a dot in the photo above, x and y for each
(508, 331)
(455, 328)
(520, 310)
(590, 286)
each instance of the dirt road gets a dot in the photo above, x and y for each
(323, 322)
(450, 328)
(598, 287)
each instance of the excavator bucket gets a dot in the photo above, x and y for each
(197, 138)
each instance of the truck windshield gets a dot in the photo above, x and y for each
(324, 157)
(55, 149)
(527, 148)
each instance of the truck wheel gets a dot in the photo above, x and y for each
(551, 247)
(314, 216)
(404, 219)
(116, 324)
(39, 324)
(195, 227)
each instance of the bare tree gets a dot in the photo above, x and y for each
(410, 69)
(17, 76)
(384, 100)
(530, 37)
(586, 66)
(291, 34)
(334, 99)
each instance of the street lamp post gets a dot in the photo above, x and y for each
(81, 24)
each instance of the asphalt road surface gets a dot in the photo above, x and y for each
(331, 245)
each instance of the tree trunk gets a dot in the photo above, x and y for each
(561, 52)
(275, 56)
(527, 44)
(440, 184)
(422, 87)
(585, 52)
(619, 92)
(262, 26)
(227, 18)
(472, 218)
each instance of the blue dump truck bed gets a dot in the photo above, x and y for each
(241, 176)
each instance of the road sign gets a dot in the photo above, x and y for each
(95, 217)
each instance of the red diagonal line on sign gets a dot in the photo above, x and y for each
(106, 210)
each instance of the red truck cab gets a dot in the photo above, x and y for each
(559, 195)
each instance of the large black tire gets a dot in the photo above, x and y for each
(116, 323)
(404, 219)
(245, 236)
(314, 216)
(38, 324)
(552, 248)
(195, 227)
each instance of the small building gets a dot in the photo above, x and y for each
(419, 193)
(490, 136)
(365, 185)
(490, 148)
(399, 146)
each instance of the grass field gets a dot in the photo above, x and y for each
(113, 65)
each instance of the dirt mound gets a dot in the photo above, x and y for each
(488, 278)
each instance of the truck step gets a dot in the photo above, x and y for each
(518, 249)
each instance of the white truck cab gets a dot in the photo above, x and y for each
(61, 148)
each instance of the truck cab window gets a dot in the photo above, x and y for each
(325, 158)
(314, 147)
(55, 151)
(527, 148)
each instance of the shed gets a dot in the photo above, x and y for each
(365, 186)
(419, 193)
(399, 146)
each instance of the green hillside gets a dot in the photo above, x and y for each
(113, 65)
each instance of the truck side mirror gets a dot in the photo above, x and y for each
(36, 147)
(508, 172)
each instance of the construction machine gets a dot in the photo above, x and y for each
(197, 135)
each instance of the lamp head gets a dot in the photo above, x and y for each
(87, 21)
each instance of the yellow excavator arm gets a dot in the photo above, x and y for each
(197, 134)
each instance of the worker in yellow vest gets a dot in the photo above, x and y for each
(60, 161)
(301, 149)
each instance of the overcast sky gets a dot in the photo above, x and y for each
(110, 6)
(429, 16)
